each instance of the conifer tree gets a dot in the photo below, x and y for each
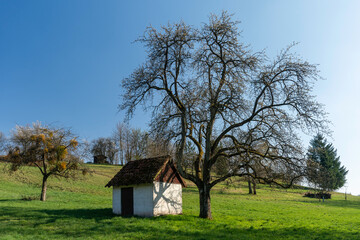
(324, 166)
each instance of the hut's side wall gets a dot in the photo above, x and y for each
(116, 203)
(167, 198)
(143, 200)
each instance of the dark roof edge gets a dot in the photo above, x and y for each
(183, 183)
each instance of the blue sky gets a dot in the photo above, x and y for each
(61, 62)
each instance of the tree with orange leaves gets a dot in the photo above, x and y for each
(51, 150)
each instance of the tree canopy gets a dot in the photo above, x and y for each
(324, 167)
(210, 92)
(51, 150)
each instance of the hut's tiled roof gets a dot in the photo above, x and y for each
(139, 172)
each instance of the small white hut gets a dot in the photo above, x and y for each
(147, 187)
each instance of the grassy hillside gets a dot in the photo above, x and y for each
(82, 209)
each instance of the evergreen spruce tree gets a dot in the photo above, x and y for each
(324, 167)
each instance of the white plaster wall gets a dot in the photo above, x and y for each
(143, 200)
(167, 198)
(116, 203)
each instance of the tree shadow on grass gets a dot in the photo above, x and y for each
(99, 213)
(51, 215)
(100, 223)
(11, 200)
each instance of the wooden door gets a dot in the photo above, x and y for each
(127, 201)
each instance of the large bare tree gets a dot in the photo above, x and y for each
(209, 91)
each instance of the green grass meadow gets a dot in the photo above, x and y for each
(82, 209)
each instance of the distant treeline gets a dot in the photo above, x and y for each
(128, 144)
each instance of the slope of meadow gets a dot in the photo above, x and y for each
(82, 209)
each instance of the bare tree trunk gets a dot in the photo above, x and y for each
(121, 158)
(43, 189)
(254, 186)
(205, 204)
(250, 188)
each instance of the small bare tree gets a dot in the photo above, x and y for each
(51, 150)
(214, 94)
(119, 139)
